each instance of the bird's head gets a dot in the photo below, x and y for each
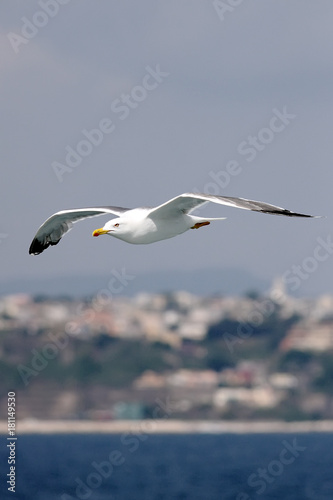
(115, 227)
(132, 227)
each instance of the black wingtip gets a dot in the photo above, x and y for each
(288, 213)
(34, 248)
(37, 247)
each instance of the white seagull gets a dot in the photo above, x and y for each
(146, 225)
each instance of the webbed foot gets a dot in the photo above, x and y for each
(200, 224)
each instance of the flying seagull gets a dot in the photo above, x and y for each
(146, 225)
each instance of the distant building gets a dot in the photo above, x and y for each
(257, 397)
(193, 378)
(150, 380)
(316, 337)
(283, 381)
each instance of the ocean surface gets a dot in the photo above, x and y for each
(177, 467)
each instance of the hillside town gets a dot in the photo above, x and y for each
(104, 358)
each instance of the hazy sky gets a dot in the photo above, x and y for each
(190, 95)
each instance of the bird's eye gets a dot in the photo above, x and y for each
(116, 225)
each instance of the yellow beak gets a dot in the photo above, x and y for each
(100, 231)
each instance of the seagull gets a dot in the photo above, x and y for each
(145, 225)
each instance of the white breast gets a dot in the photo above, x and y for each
(141, 229)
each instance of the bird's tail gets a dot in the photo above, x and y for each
(216, 218)
(208, 219)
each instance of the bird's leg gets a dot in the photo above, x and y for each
(200, 224)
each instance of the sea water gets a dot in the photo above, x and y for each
(160, 467)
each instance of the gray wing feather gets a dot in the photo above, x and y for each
(56, 226)
(187, 202)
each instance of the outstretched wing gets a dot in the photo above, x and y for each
(189, 201)
(56, 226)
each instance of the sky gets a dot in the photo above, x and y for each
(132, 103)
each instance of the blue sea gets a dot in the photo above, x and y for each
(171, 467)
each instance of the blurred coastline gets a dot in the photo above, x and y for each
(34, 426)
(167, 357)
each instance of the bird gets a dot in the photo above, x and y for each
(144, 225)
